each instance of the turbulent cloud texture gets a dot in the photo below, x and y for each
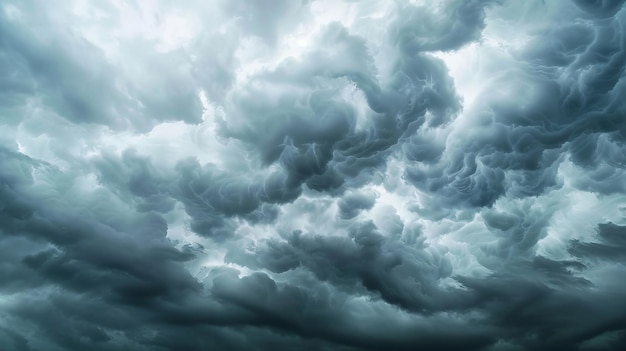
(313, 175)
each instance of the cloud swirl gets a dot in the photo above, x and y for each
(312, 175)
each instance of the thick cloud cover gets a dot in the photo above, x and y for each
(313, 175)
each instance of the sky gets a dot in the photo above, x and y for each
(350, 175)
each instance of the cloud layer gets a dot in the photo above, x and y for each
(313, 175)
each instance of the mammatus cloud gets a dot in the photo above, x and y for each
(312, 175)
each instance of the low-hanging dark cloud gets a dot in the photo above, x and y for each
(312, 175)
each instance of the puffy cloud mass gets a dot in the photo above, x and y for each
(312, 175)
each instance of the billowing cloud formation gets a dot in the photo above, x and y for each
(313, 175)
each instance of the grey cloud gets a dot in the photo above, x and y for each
(320, 154)
(215, 69)
(136, 176)
(264, 18)
(611, 245)
(520, 145)
(164, 94)
(73, 78)
(301, 245)
(422, 148)
(364, 261)
(351, 204)
(13, 340)
(530, 312)
(211, 196)
(418, 29)
(518, 230)
(50, 66)
(563, 46)
(293, 311)
(600, 8)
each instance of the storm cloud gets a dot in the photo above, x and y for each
(313, 175)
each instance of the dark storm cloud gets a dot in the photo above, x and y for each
(395, 269)
(517, 230)
(13, 340)
(302, 244)
(116, 262)
(211, 196)
(134, 178)
(311, 132)
(610, 247)
(103, 259)
(566, 100)
(85, 256)
(351, 204)
(330, 152)
(537, 303)
(287, 307)
(539, 317)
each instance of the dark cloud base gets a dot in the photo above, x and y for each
(311, 254)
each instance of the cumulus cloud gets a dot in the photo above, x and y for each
(314, 175)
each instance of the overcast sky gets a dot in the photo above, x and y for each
(312, 175)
